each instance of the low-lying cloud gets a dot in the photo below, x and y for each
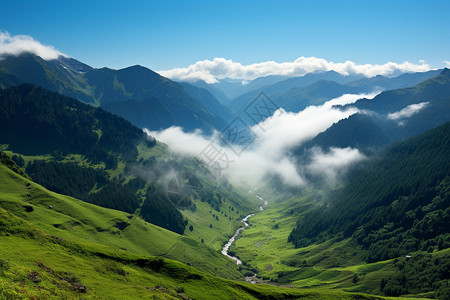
(275, 137)
(329, 165)
(213, 70)
(18, 44)
(408, 111)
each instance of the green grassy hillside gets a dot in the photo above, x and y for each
(54, 246)
(96, 227)
(332, 264)
(78, 150)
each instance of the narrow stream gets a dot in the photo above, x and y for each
(233, 238)
(244, 220)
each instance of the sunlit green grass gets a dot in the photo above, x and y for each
(219, 232)
(330, 265)
(84, 245)
(94, 226)
(158, 150)
(110, 278)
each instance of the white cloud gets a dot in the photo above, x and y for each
(284, 130)
(275, 137)
(330, 165)
(447, 63)
(180, 141)
(408, 111)
(18, 44)
(219, 68)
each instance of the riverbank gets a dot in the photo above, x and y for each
(227, 246)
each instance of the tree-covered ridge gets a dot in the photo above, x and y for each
(11, 164)
(94, 185)
(137, 86)
(62, 75)
(376, 126)
(82, 151)
(357, 131)
(36, 121)
(419, 274)
(88, 184)
(393, 204)
(432, 89)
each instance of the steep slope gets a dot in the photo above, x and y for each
(433, 89)
(209, 101)
(37, 121)
(392, 115)
(83, 223)
(297, 99)
(7, 80)
(335, 263)
(76, 149)
(357, 131)
(403, 191)
(394, 205)
(118, 90)
(143, 89)
(161, 116)
(81, 151)
(149, 113)
(134, 82)
(63, 75)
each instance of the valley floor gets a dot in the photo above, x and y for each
(332, 265)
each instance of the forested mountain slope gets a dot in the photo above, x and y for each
(138, 86)
(393, 204)
(390, 116)
(82, 151)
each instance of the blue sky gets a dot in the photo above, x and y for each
(166, 34)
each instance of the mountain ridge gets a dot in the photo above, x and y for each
(374, 116)
(100, 87)
(296, 93)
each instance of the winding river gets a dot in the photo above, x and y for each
(244, 220)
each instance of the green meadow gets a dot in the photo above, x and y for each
(58, 247)
(334, 264)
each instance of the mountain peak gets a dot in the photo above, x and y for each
(445, 72)
(136, 67)
(138, 70)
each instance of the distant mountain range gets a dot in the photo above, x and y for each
(149, 100)
(392, 115)
(216, 92)
(279, 88)
(295, 94)
(140, 95)
(227, 89)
